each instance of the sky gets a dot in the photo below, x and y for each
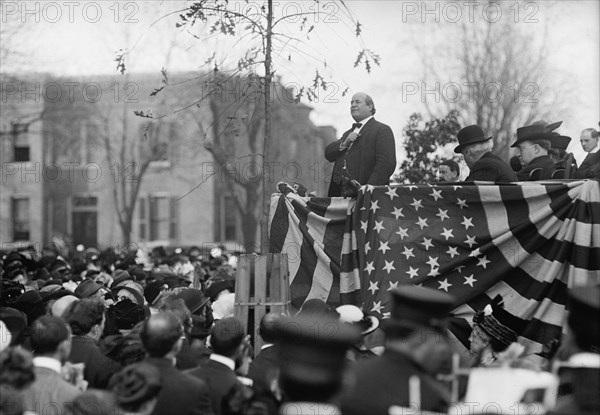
(72, 38)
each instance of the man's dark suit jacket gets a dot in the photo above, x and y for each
(98, 368)
(491, 168)
(590, 167)
(264, 368)
(219, 378)
(180, 393)
(382, 382)
(544, 162)
(370, 160)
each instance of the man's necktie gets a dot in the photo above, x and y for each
(356, 125)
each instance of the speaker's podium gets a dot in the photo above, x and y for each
(261, 286)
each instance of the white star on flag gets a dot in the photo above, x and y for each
(370, 268)
(363, 226)
(378, 226)
(392, 193)
(412, 187)
(460, 268)
(389, 266)
(397, 212)
(470, 241)
(447, 233)
(369, 188)
(452, 251)
(444, 285)
(367, 247)
(437, 194)
(408, 252)
(427, 243)
(375, 206)
(402, 232)
(416, 204)
(462, 203)
(377, 307)
(470, 280)
(457, 187)
(384, 247)
(434, 272)
(443, 214)
(373, 286)
(433, 262)
(412, 272)
(475, 253)
(483, 262)
(422, 222)
(467, 222)
(393, 285)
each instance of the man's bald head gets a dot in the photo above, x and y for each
(160, 333)
(268, 325)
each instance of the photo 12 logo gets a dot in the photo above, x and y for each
(468, 11)
(69, 11)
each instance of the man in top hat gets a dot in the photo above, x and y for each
(590, 167)
(476, 148)
(533, 142)
(417, 347)
(366, 152)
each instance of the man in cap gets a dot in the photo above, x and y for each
(533, 143)
(590, 167)
(417, 347)
(366, 152)
(476, 148)
(51, 344)
(313, 362)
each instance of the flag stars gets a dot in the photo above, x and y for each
(470, 241)
(369, 268)
(383, 247)
(427, 243)
(375, 206)
(367, 247)
(402, 232)
(444, 285)
(483, 262)
(436, 194)
(433, 262)
(391, 193)
(389, 266)
(434, 272)
(476, 252)
(393, 285)
(447, 233)
(408, 252)
(470, 280)
(443, 214)
(422, 223)
(467, 222)
(460, 268)
(373, 287)
(377, 307)
(462, 203)
(416, 204)
(378, 226)
(397, 212)
(363, 226)
(456, 187)
(369, 188)
(412, 272)
(412, 186)
(452, 251)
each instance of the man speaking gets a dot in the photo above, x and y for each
(366, 152)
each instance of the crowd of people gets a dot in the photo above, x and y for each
(88, 336)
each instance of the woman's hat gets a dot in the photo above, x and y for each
(353, 315)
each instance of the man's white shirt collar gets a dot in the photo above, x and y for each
(266, 346)
(224, 360)
(363, 122)
(48, 363)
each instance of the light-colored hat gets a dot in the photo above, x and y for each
(353, 315)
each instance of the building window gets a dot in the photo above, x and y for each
(21, 142)
(160, 222)
(20, 216)
(157, 142)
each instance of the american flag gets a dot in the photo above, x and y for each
(527, 242)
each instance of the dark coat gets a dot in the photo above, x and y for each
(180, 393)
(98, 368)
(264, 368)
(491, 168)
(370, 160)
(219, 378)
(544, 162)
(49, 393)
(383, 382)
(590, 167)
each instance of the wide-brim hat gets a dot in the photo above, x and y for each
(87, 288)
(193, 299)
(139, 298)
(559, 142)
(499, 323)
(470, 135)
(120, 276)
(419, 305)
(536, 131)
(353, 315)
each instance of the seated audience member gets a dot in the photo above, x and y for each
(227, 341)
(590, 166)
(87, 318)
(533, 143)
(449, 171)
(136, 388)
(476, 148)
(51, 344)
(162, 335)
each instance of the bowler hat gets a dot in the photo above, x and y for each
(86, 289)
(419, 305)
(193, 299)
(535, 131)
(152, 291)
(470, 135)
